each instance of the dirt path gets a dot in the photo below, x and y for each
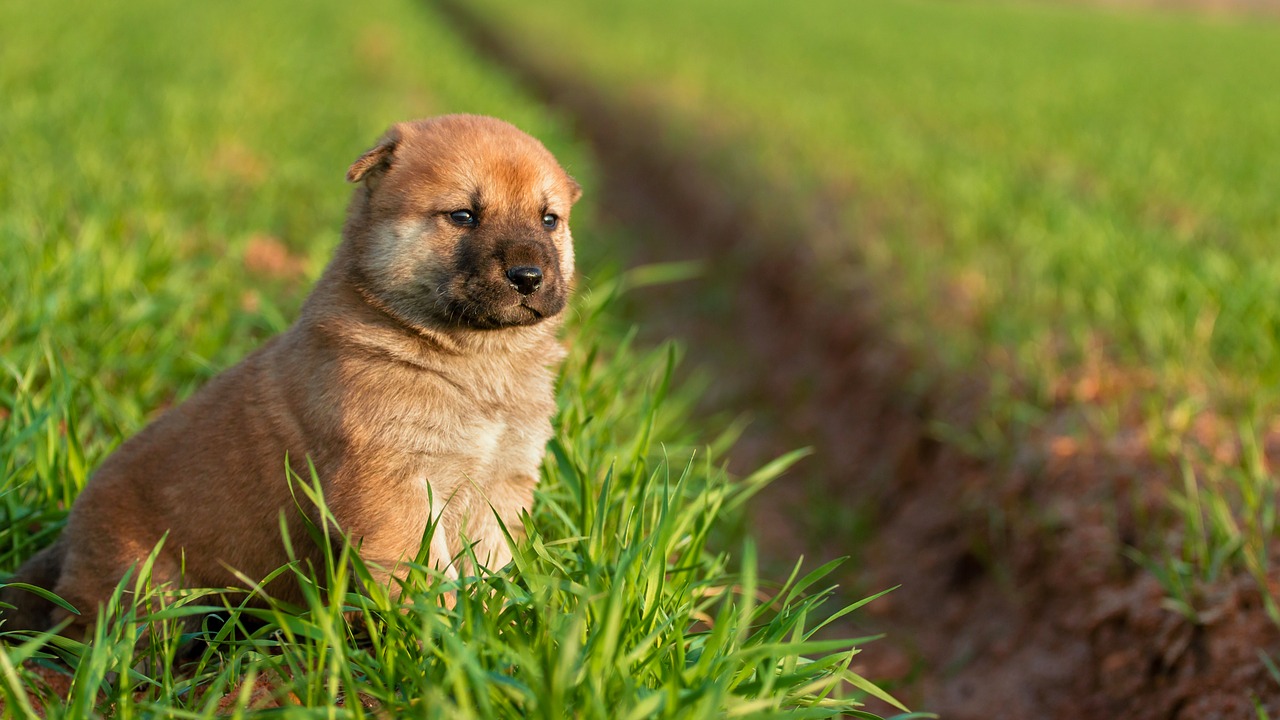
(1017, 598)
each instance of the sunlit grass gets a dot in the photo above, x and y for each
(614, 607)
(153, 153)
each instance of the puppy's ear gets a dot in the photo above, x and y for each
(575, 190)
(376, 159)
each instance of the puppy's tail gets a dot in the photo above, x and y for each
(29, 610)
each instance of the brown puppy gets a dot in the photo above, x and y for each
(417, 381)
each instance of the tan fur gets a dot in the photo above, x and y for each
(417, 380)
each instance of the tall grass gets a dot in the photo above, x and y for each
(614, 607)
(172, 180)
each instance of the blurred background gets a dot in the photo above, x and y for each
(1008, 268)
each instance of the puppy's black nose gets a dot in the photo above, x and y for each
(526, 279)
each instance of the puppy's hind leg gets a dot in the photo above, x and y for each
(30, 611)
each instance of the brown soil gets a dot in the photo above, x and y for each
(1018, 599)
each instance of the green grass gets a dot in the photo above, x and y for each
(1075, 206)
(1098, 174)
(149, 149)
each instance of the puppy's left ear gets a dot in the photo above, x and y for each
(575, 190)
(376, 159)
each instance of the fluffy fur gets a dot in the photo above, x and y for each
(418, 380)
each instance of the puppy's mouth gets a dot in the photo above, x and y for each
(476, 317)
(485, 303)
(533, 311)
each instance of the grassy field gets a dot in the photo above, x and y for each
(171, 182)
(1107, 172)
(1072, 205)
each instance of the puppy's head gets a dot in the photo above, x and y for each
(462, 221)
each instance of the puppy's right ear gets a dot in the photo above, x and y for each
(376, 159)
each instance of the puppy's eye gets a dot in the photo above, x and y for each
(550, 221)
(463, 217)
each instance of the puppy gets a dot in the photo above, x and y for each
(418, 382)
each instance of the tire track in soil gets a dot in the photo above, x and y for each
(1037, 619)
